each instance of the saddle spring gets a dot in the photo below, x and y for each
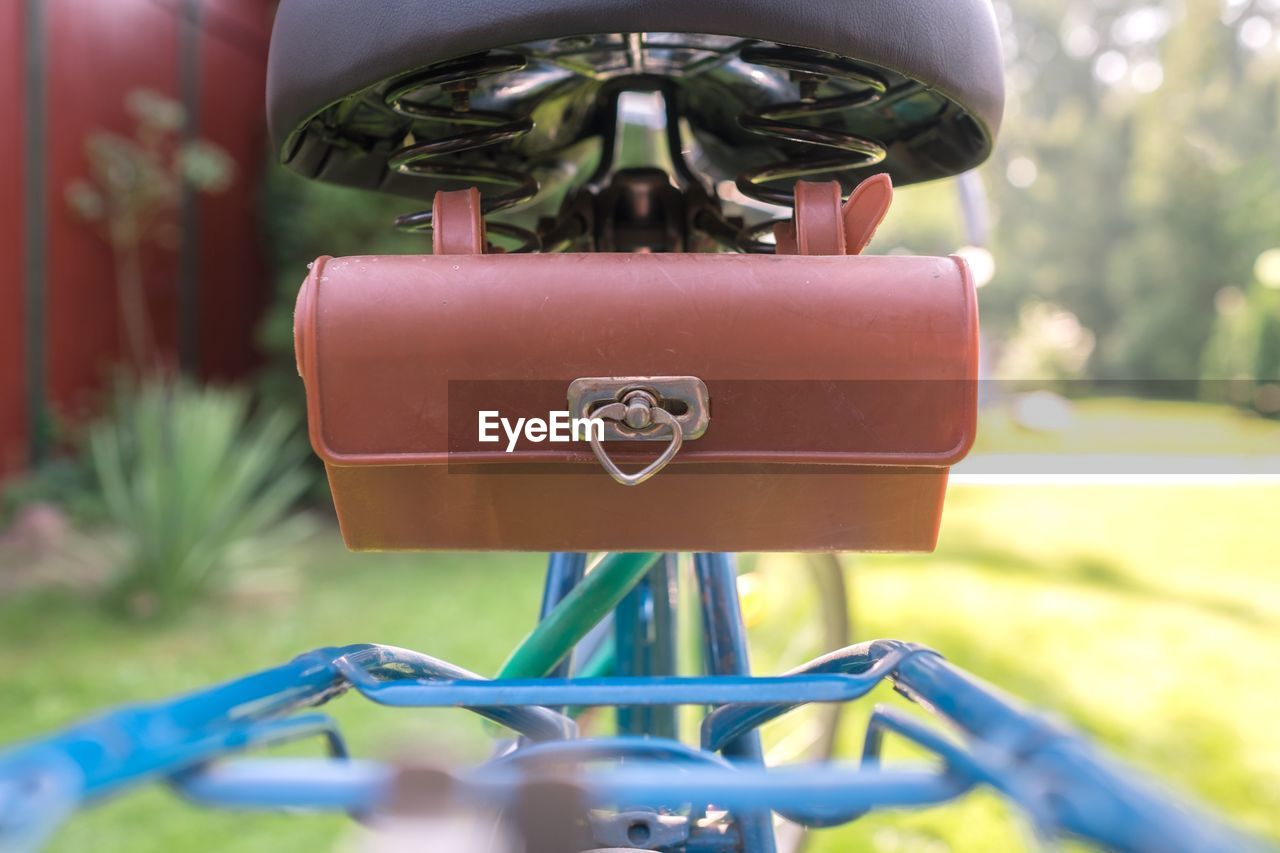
(850, 151)
(490, 127)
(808, 68)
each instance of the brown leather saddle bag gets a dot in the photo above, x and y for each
(821, 396)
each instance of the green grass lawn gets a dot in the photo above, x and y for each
(1128, 425)
(1148, 616)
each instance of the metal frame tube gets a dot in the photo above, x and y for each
(565, 570)
(725, 644)
(644, 631)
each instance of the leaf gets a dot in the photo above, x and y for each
(206, 166)
(155, 110)
(85, 201)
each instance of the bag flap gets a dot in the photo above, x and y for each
(865, 360)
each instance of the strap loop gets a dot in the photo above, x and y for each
(822, 226)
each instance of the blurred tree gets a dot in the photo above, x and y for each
(1242, 358)
(132, 193)
(1136, 173)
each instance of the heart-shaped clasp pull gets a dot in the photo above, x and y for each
(632, 412)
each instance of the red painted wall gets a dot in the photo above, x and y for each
(13, 411)
(96, 52)
(234, 285)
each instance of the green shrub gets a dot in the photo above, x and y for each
(63, 481)
(1241, 364)
(301, 221)
(195, 484)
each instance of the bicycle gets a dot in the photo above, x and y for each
(447, 104)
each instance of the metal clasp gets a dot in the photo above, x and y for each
(641, 408)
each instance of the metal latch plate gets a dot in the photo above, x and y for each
(684, 397)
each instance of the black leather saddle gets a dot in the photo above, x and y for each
(411, 96)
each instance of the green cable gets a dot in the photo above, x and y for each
(577, 613)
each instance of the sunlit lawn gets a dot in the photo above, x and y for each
(1126, 425)
(1149, 616)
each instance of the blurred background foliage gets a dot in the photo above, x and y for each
(1133, 194)
(303, 220)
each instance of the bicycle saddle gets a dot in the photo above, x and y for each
(412, 97)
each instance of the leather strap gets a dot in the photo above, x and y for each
(457, 225)
(784, 235)
(819, 225)
(866, 208)
(822, 226)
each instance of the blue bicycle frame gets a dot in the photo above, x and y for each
(1060, 781)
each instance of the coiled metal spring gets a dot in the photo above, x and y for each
(850, 150)
(488, 127)
(772, 183)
